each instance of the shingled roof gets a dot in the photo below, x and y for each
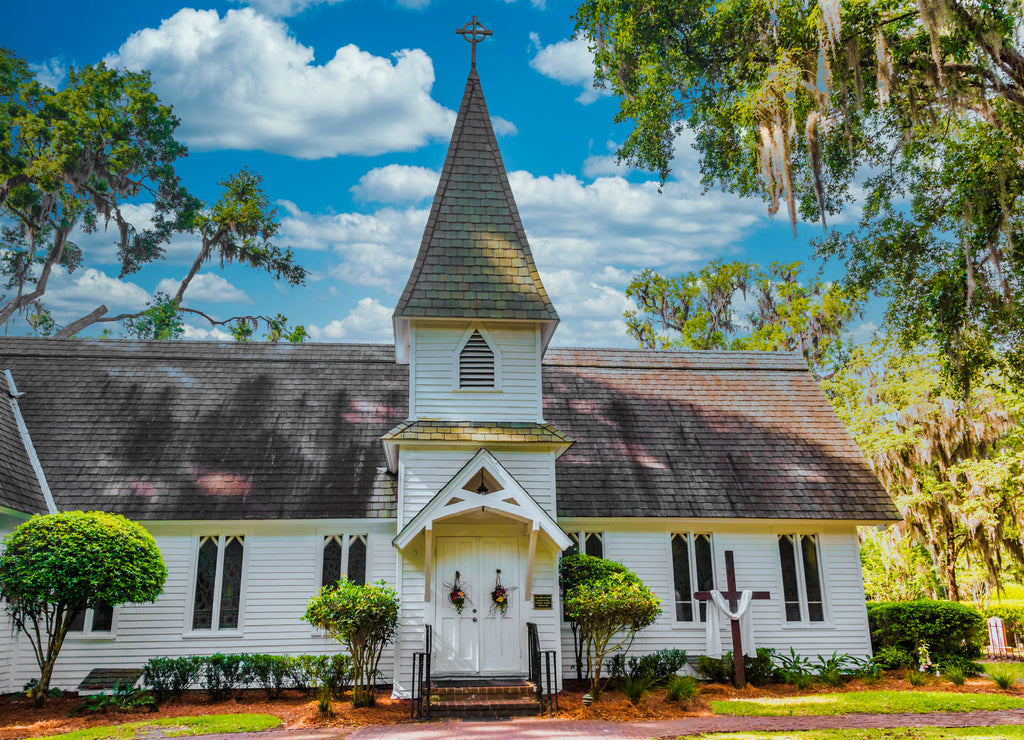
(474, 260)
(206, 430)
(19, 487)
(703, 434)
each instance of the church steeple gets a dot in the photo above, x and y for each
(474, 260)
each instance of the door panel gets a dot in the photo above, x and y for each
(479, 640)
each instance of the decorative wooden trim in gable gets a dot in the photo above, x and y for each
(476, 363)
(505, 498)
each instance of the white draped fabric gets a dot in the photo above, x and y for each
(742, 614)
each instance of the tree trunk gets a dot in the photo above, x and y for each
(42, 689)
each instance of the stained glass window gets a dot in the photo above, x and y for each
(681, 576)
(801, 578)
(812, 578)
(206, 581)
(790, 584)
(357, 559)
(231, 584)
(331, 571)
(705, 569)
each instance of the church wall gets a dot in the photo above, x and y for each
(281, 570)
(644, 546)
(434, 378)
(425, 471)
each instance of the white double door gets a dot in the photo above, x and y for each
(480, 640)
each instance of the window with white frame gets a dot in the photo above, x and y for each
(801, 578)
(593, 544)
(344, 554)
(95, 622)
(476, 363)
(218, 592)
(693, 569)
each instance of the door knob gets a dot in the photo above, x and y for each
(474, 611)
(474, 619)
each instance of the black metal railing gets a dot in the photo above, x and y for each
(420, 707)
(543, 670)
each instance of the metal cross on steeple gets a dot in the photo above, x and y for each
(474, 32)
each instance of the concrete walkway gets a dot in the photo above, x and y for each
(544, 729)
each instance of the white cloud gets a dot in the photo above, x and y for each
(287, 8)
(51, 72)
(242, 82)
(72, 296)
(371, 250)
(213, 333)
(397, 183)
(369, 321)
(206, 287)
(570, 62)
(503, 127)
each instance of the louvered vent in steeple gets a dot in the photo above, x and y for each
(476, 363)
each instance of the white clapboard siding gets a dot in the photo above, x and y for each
(649, 555)
(426, 471)
(435, 381)
(280, 573)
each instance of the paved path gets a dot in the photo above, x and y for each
(546, 729)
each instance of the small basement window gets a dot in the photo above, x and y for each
(476, 363)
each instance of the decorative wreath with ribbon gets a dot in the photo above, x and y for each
(500, 594)
(456, 593)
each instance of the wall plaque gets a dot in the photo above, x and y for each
(542, 601)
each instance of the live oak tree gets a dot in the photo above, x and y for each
(72, 158)
(953, 465)
(699, 310)
(919, 104)
(54, 567)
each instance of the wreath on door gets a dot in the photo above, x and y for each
(500, 594)
(457, 593)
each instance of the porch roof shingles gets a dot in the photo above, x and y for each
(476, 431)
(703, 434)
(19, 487)
(205, 430)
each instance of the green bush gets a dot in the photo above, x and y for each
(364, 619)
(948, 628)
(171, 677)
(955, 676)
(1012, 617)
(1004, 678)
(634, 687)
(609, 613)
(660, 664)
(269, 672)
(56, 566)
(759, 670)
(574, 570)
(895, 657)
(224, 674)
(124, 698)
(683, 689)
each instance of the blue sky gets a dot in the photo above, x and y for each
(345, 109)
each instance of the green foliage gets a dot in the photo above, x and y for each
(920, 105)
(169, 678)
(1003, 677)
(72, 158)
(364, 619)
(572, 571)
(948, 628)
(695, 311)
(682, 689)
(660, 664)
(270, 672)
(1013, 621)
(124, 698)
(56, 566)
(916, 677)
(894, 567)
(617, 602)
(635, 687)
(892, 656)
(759, 671)
(223, 674)
(955, 675)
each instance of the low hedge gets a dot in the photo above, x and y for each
(951, 630)
(221, 675)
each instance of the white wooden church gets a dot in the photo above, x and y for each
(468, 447)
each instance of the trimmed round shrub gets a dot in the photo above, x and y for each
(950, 629)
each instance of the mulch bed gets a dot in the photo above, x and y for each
(19, 719)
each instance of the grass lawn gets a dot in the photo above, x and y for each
(176, 727)
(903, 733)
(870, 702)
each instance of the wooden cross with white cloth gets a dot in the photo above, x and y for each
(739, 609)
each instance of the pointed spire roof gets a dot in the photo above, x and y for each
(474, 260)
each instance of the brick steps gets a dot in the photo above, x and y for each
(483, 699)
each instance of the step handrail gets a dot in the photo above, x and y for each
(420, 691)
(543, 670)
